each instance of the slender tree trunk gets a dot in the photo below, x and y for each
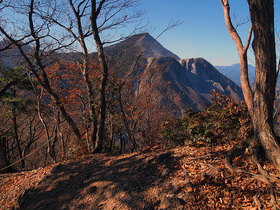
(41, 78)
(51, 148)
(31, 139)
(15, 127)
(125, 121)
(61, 135)
(93, 118)
(95, 11)
(242, 52)
(17, 139)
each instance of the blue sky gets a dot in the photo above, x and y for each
(203, 32)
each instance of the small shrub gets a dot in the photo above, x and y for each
(223, 121)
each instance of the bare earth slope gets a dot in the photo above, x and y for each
(179, 178)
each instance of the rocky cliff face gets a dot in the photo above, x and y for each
(205, 77)
(186, 83)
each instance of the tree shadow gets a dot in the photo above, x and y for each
(90, 182)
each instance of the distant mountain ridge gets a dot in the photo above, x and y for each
(233, 72)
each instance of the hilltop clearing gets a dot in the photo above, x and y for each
(179, 178)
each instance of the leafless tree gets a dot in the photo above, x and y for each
(37, 34)
(91, 23)
(261, 98)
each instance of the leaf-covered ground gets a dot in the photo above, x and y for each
(179, 178)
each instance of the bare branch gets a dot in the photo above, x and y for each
(241, 21)
(249, 39)
(242, 52)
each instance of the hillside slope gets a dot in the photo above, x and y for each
(179, 178)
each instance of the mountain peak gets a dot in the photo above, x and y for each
(152, 47)
(145, 43)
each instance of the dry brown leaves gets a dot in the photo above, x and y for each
(13, 185)
(198, 179)
(213, 186)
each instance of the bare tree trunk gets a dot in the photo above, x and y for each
(262, 17)
(260, 101)
(242, 52)
(50, 149)
(61, 135)
(78, 12)
(15, 127)
(3, 158)
(93, 118)
(95, 11)
(124, 118)
(31, 139)
(43, 78)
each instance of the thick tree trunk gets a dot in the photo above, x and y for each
(259, 101)
(262, 17)
(4, 163)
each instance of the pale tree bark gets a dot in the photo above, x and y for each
(112, 17)
(242, 52)
(79, 34)
(51, 145)
(87, 20)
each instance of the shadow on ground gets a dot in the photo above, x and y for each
(101, 182)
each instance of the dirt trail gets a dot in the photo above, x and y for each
(179, 178)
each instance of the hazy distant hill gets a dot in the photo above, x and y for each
(12, 57)
(233, 72)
